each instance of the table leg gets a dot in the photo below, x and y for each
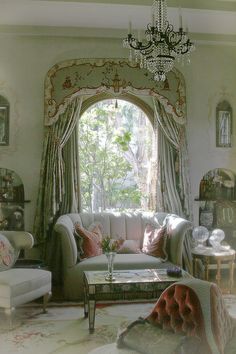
(194, 266)
(218, 272)
(206, 268)
(231, 276)
(91, 307)
(85, 300)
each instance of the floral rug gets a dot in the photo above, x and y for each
(64, 330)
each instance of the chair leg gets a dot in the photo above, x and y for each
(45, 301)
(9, 312)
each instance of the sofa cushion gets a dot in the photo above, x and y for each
(91, 244)
(7, 253)
(129, 246)
(154, 242)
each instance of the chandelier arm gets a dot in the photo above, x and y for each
(140, 47)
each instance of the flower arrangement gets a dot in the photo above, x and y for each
(109, 245)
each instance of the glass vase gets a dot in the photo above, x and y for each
(110, 261)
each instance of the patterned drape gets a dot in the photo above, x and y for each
(58, 185)
(173, 172)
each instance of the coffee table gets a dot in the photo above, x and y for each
(128, 284)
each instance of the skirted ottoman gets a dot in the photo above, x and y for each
(19, 286)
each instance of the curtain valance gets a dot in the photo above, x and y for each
(88, 77)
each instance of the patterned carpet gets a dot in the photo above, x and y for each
(64, 330)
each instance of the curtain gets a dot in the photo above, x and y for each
(173, 173)
(58, 185)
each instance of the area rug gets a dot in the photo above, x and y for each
(64, 330)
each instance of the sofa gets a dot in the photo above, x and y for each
(128, 226)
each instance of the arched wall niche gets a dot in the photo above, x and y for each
(217, 202)
(92, 77)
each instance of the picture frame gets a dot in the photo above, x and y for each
(4, 124)
(224, 125)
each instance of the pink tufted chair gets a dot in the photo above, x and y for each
(195, 308)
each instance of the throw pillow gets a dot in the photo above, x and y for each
(91, 242)
(148, 339)
(129, 246)
(79, 244)
(97, 228)
(154, 241)
(7, 253)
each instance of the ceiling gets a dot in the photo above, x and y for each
(206, 19)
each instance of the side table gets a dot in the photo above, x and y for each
(210, 256)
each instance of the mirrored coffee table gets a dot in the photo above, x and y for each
(128, 285)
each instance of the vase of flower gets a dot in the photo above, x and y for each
(110, 262)
(109, 248)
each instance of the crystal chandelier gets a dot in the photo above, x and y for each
(162, 45)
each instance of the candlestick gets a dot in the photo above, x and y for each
(180, 18)
(130, 27)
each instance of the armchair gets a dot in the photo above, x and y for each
(189, 317)
(19, 286)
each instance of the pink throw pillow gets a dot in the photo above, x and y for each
(91, 242)
(97, 228)
(154, 241)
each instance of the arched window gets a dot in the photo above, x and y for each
(117, 157)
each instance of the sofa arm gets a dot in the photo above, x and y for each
(19, 239)
(177, 229)
(64, 229)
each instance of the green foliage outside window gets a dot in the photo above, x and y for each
(115, 146)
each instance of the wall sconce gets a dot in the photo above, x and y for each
(223, 124)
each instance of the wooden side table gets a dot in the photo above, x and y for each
(209, 256)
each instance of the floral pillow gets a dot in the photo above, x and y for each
(7, 253)
(145, 338)
(154, 241)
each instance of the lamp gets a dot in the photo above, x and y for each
(162, 45)
(200, 235)
(215, 239)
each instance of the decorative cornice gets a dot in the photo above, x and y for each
(87, 77)
(99, 33)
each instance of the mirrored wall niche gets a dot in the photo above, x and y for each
(4, 121)
(224, 125)
(12, 200)
(217, 202)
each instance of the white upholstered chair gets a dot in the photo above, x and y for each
(20, 285)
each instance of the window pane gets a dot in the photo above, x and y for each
(116, 144)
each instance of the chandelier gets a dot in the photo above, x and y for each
(162, 45)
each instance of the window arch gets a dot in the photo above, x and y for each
(117, 147)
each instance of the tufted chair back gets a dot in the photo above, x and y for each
(195, 308)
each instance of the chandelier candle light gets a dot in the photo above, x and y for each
(162, 45)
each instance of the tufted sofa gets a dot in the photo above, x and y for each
(129, 226)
